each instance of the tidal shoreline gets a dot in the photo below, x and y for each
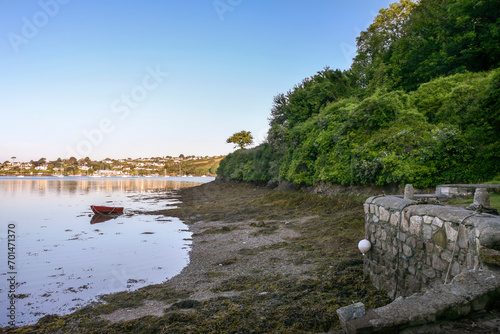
(262, 260)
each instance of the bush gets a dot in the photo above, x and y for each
(251, 165)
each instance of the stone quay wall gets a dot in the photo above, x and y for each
(417, 246)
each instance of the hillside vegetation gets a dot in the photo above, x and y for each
(206, 166)
(420, 104)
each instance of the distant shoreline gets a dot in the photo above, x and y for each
(76, 177)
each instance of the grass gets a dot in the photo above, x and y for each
(494, 201)
(495, 180)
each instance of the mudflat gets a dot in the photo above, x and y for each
(261, 261)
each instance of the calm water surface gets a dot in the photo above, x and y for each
(65, 257)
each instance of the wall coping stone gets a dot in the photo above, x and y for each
(390, 202)
(461, 190)
(486, 224)
(467, 293)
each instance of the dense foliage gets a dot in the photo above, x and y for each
(419, 105)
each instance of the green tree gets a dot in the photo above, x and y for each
(72, 161)
(374, 43)
(241, 139)
(445, 37)
(301, 103)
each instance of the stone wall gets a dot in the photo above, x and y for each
(417, 246)
(461, 190)
(468, 293)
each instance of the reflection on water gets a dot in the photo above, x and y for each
(73, 186)
(63, 262)
(99, 218)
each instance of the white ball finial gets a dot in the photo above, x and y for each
(364, 246)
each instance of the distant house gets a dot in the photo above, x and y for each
(42, 167)
(109, 172)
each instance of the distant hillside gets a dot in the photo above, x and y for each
(168, 165)
(194, 167)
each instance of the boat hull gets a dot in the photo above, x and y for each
(106, 210)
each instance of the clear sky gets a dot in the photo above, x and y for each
(130, 78)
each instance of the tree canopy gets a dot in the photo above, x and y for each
(374, 43)
(241, 139)
(419, 105)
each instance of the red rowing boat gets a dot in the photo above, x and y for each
(106, 209)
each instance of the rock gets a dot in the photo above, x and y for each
(407, 251)
(451, 233)
(482, 197)
(439, 238)
(409, 192)
(384, 215)
(427, 232)
(437, 222)
(415, 225)
(350, 312)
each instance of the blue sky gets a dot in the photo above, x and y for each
(151, 78)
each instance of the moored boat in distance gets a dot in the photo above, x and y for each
(106, 210)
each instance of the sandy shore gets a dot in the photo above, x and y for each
(220, 253)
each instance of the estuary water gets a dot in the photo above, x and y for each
(57, 256)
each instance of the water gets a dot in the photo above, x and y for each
(63, 257)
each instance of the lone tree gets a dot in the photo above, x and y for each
(241, 139)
